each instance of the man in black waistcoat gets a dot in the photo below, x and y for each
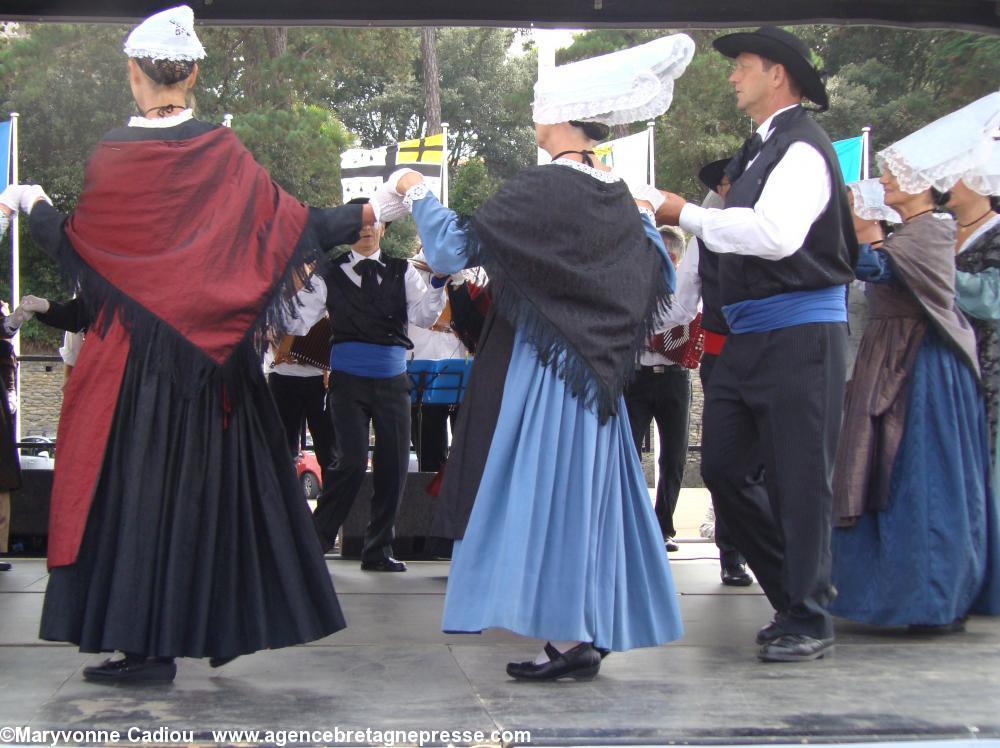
(371, 299)
(786, 248)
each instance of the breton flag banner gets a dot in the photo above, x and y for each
(363, 171)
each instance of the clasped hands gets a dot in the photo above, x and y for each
(666, 206)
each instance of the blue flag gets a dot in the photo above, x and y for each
(849, 155)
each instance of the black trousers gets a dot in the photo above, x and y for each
(356, 404)
(301, 401)
(752, 491)
(665, 397)
(429, 427)
(777, 397)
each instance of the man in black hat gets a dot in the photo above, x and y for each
(786, 249)
(371, 299)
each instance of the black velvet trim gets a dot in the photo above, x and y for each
(554, 351)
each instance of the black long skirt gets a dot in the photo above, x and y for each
(199, 542)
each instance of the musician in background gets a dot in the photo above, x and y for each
(296, 376)
(371, 299)
(429, 421)
(661, 392)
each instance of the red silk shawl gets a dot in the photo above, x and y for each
(193, 234)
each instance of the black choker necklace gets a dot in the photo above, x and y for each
(164, 110)
(966, 225)
(586, 156)
(916, 215)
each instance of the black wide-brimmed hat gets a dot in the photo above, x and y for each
(711, 174)
(783, 47)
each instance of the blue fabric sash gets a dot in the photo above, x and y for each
(787, 310)
(368, 359)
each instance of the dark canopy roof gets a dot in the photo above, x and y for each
(981, 15)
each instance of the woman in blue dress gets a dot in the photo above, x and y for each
(556, 534)
(911, 483)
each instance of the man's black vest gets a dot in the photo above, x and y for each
(354, 317)
(830, 251)
(712, 318)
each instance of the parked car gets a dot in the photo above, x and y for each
(40, 457)
(310, 474)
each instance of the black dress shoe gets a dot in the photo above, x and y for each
(795, 648)
(771, 631)
(383, 564)
(130, 669)
(4, 566)
(220, 661)
(581, 662)
(671, 546)
(736, 575)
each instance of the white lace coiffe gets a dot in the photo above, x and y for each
(960, 145)
(167, 35)
(626, 86)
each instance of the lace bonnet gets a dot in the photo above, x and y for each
(617, 88)
(869, 202)
(167, 35)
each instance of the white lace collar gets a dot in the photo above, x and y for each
(603, 176)
(171, 121)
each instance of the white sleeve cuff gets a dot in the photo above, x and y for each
(691, 219)
(649, 214)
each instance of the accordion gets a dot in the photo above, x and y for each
(311, 349)
(683, 344)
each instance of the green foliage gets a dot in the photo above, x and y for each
(471, 186)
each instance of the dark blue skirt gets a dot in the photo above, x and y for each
(925, 559)
(199, 542)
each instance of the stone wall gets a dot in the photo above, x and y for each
(41, 397)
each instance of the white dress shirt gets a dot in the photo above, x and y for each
(796, 193)
(686, 303)
(423, 303)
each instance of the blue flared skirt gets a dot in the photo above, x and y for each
(932, 554)
(562, 542)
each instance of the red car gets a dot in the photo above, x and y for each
(310, 475)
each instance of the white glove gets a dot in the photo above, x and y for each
(394, 178)
(22, 197)
(648, 193)
(34, 304)
(387, 203)
(13, 323)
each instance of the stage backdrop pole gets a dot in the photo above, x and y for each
(651, 129)
(15, 272)
(444, 164)
(865, 141)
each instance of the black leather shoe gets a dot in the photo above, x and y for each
(736, 575)
(4, 566)
(581, 662)
(131, 669)
(383, 564)
(771, 631)
(671, 546)
(220, 661)
(795, 648)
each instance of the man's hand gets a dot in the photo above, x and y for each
(670, 212)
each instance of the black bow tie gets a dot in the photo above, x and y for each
(747, 153)
(369, 270)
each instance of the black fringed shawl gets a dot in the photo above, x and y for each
(574, 269)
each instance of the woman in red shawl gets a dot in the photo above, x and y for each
(178, 528)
